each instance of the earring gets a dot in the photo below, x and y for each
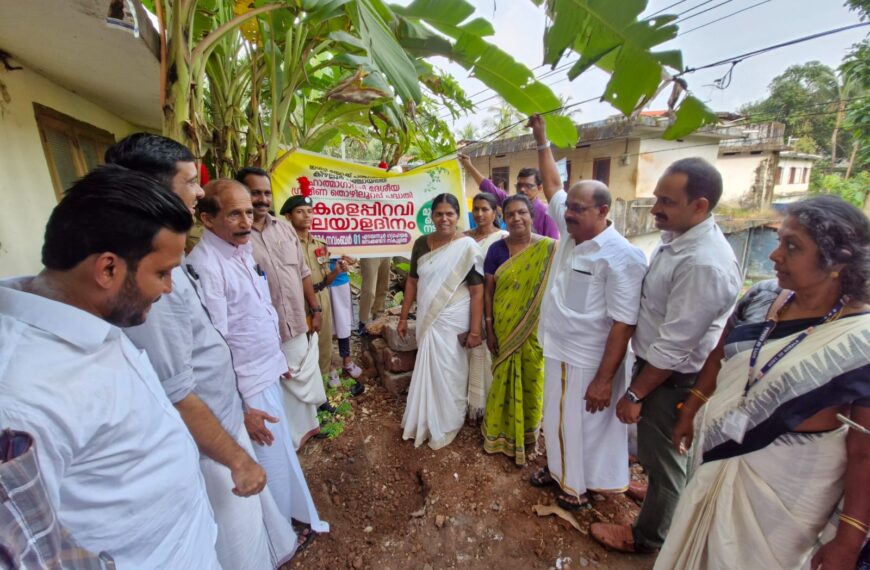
(835, 274)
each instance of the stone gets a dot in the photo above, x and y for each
(396, 384)
(395, 361)
(401, 344)
(439, 521)
(358, 562)
(376, 327)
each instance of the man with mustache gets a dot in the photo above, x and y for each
(236, 294)
(194, 365)
(688, 292)
(279, 254)
(119, 466)
(587, 318)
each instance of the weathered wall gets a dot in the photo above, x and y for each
(656, 155)
(622, 177)
(25, 185)
(748, 179)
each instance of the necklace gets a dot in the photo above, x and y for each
(512, 251)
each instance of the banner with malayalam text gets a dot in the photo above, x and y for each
(363, 211)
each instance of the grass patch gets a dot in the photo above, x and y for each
(333, 424)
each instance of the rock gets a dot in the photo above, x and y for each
(584, 561)
(358, 562)
(396, 384)
(401, 344)
(395, 361)
(368, 529)
(495, 506)
(440, 520)
(597, 498)
(377, 353)
(376, 327)
(427, 567)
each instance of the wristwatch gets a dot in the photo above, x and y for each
(316, 309)
(632, 397)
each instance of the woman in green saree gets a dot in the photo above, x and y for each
(516, 269)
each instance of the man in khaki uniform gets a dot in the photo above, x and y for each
(299, 212)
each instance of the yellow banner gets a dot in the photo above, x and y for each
(364, 211)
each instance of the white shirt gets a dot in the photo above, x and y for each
(238, 302)
(688, 292)
(188, 353)
(120, 468)
(591, 285)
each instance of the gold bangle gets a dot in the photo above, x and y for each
(855, 523)
(700, 395)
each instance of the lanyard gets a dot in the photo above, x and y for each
(765, 334)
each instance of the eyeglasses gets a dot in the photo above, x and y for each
(524, 186)
(580, 209)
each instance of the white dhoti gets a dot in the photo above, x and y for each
(304, 391)
(286, 480)
(342, 310)
(584, 451)
(252, 532)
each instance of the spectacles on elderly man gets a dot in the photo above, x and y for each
(580, 209)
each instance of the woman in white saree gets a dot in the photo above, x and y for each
(446, 281)
(488, 231)
(776, 464)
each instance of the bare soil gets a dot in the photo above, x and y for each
(392, 506)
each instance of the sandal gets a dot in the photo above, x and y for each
(542, 478)
(572, 503)
(304, 539)
(357, 389)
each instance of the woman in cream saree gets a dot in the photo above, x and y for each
(774, 461)
(447, 285)
(487, 232)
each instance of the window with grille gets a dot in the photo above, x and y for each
(72, 147)
(501, 177)
(601, 169)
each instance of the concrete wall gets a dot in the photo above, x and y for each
(25, 186)
(622, 177)
(657, 154)
(748, 179)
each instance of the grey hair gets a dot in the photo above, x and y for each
(842, 233)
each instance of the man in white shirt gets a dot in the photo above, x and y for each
(587, 318)
(688, 293)
(236, 294)
(195, 368)
(119, 465)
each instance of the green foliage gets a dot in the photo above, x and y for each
(610, 36)
(854, 190)
(860, 6)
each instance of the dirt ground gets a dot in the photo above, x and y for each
(394, 507)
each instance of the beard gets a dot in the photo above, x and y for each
(129, 308)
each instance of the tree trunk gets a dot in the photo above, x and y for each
(841, 112)
(855, 146)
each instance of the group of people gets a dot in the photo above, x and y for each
(530, 328)
(163, 395)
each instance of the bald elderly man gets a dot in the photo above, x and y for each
(236, 294)
(588, 315)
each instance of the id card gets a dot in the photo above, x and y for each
(735, 425)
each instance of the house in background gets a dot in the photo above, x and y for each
(67, 97)
(792, 177)
(760, 169)
(628, 156)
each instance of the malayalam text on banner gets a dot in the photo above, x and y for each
(365, 211)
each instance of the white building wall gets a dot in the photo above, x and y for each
(657, 154)
(800, 185)
(739, 173)
(26, 189)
